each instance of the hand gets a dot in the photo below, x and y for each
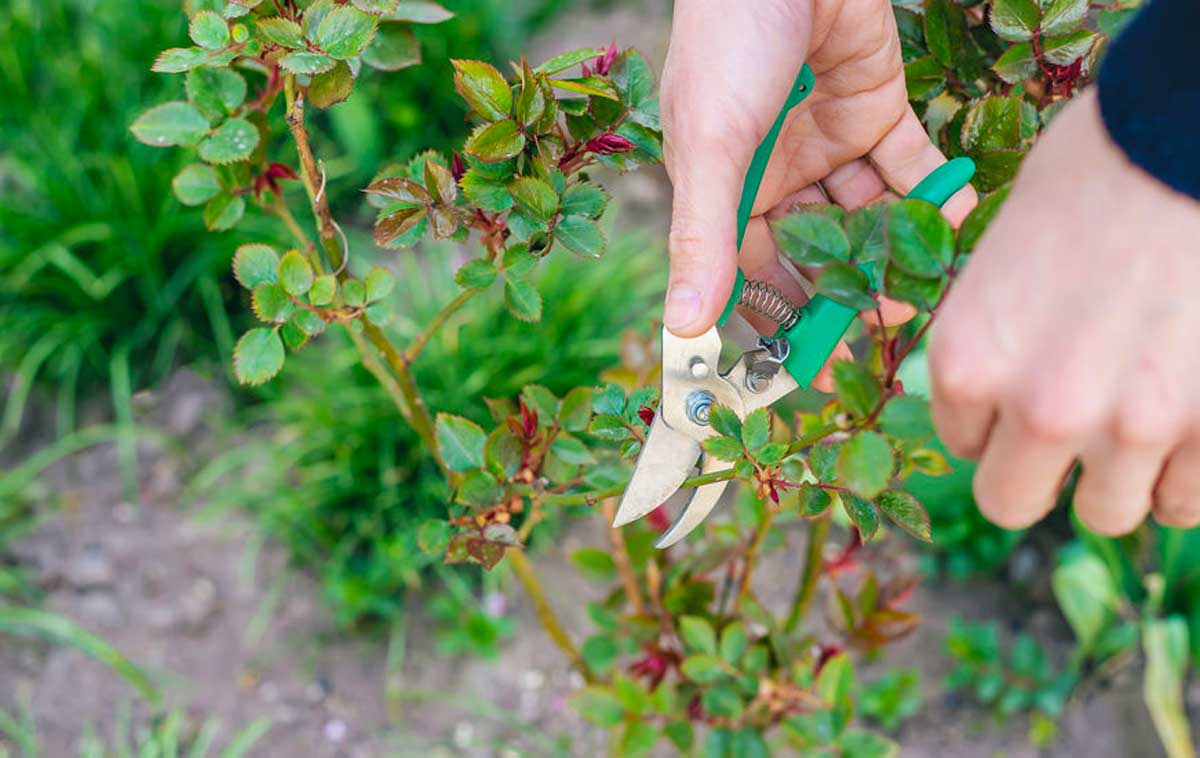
(728, 72)
(1072, 334)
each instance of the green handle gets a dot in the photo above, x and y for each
(823, 321)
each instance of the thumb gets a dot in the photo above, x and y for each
(702, 243)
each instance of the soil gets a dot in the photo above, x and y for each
(216, 614)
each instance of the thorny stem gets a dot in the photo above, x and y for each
(449, 309)
(621, 558)
(814, 559)
(541, 607)
(413, 408)
(751, 558)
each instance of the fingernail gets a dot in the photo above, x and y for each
(683, 306)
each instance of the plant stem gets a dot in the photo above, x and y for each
(621, 558)
(418, 344)
(541, 607)
(751, 558)
(413, 408)
(814, 559)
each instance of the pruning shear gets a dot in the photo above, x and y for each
(762, 374)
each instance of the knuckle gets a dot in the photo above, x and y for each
(956, 373)
(1182, 512)
(1046, 422)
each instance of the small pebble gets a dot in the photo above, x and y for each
(335, 730)
(90, 569)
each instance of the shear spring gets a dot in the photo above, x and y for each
(767, 301)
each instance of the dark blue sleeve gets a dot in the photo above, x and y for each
(1150, 92)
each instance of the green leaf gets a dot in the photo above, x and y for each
(725, 421)
(195, 184)
(570, 450)
(862, 514)
(697, 634)
(1017, 64)
(1165, 642)
(304, 62)
(523, 299)
(179, 59)
(756, 429)
(305, 320)
(564, 61)
(378, 314)
(725, 448)
(433, 536)
(865, 232)
(993, 123)
(495, 142)
(215, 91)
(478, 488)
(484, 89)
(576, 409)
(906, 512)
(1063, 16)
(295, 275)
(476, 274)
(460, 442)
(208, 30)
(733, 642)
(353, 293)
(925, 77)
(923, 293)
(233, 141)
(580, 235)
(271, 303)
(835, 685)
(583, 199)
(681, 735)
(541, 400)
(534, 196)
(906, 417)
(595, 564)
(376, 7)
(489, 194)
(420, 12)
(633, 77)
(1068, 48)
(331, 87)
(920, 240)
(599, 653)
(855, 743)
(223, 211)
(173, 123)
(703, 668)
(949, 39)
(811, 239)
(857, 388)
(1086, 595)
(502, 452)
(595, 86)
(1016, 20)
(281, 31)
(812, 500)
(323, 290)
(344, 32)
(865, 464)
(258, 356)
(379, 283)
(598, 704)
(846, 284)
(978, 220)
(638, 738)
(393, 48)
(722, 701)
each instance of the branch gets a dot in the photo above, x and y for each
(545, 614)
(814, 560)
(449, 309)
(621, 558)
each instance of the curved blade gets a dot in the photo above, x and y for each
(665, 461)
(704, 499)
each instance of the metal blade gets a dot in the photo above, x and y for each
(704, 499)
(665, 461)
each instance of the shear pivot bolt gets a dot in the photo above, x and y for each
(698, 404)
(698, 368)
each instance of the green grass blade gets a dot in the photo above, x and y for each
(246, 739)
(30, 622)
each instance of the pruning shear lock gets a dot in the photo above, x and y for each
(767, 371)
